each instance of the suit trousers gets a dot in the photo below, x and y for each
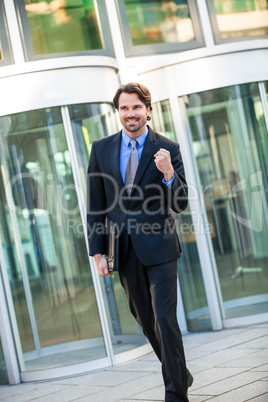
(152, 296)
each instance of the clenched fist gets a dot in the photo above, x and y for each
(163, 163)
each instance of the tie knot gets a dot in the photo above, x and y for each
(133, 144)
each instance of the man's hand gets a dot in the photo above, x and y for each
(163, 163)
(102, 265)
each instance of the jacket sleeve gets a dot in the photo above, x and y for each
(177, 194)
(96, 206)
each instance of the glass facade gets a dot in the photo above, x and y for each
(64, 27)
(230, 143)
(189, 269)
(240, 18)
(90, 122)
(159, 26)
(152, 22)
(46, 261)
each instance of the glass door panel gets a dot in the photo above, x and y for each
(90, 122)
(189, 268)
(3, 369)
(13, 266)
(47, 264)
(230, 143)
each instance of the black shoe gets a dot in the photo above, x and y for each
(190, 379)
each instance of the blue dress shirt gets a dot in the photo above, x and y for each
(125, 151)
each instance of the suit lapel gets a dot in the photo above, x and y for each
(150, 148)
(115, 159)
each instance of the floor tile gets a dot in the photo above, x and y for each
(252, 361)
(155, 394)
(245, 393)
(108, 378)
(261, 398)
(263, 367)
(229, 384)
(213, 375)
(68, 395)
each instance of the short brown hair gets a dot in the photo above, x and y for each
(133, 87)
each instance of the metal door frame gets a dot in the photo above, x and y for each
(6, 334)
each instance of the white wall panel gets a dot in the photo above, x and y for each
(156, 83)
(206, 73)
(40, 89)
(220, 71)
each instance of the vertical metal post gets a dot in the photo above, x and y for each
(264, 101)
(14, 31)
(205, 22)
(7, 338)
(180, 309)
(117, 41)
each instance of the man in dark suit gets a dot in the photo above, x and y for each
(134, 178)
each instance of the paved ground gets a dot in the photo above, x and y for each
(228, 366)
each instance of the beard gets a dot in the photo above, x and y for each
(135, 125)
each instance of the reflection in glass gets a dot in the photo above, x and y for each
(159, 21)
(90, 122)
(241, 18)
(47, 263)
(3, 369)
(12, 260)
(230, 144)
(63, 26)
(190, 274)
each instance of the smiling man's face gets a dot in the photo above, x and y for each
(133, 114)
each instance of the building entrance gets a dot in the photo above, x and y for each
(230, 143)
(57, 307)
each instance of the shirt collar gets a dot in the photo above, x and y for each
(141, 139)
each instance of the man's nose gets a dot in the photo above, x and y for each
(131, 112)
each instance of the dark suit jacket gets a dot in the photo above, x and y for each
(146, 214)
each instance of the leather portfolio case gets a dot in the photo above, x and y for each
(112, 246)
